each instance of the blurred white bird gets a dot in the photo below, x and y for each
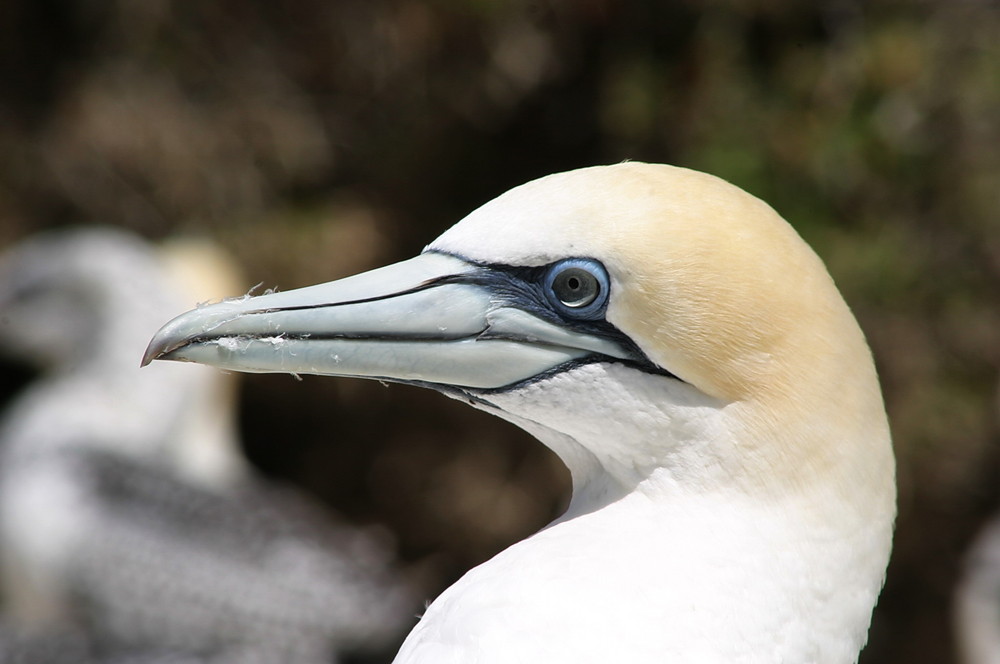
(126, 512)
(687, 356)
(977, 599)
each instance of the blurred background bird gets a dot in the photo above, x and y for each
(318, 139)
(977, 600)
(129, 519)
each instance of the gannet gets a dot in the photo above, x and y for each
(127, 515)
(688, 358)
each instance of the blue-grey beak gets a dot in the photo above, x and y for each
(431, 319)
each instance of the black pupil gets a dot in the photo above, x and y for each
(575, 287)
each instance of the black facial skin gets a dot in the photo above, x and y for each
(524, 288)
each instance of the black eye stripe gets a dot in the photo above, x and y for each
(525, 288)
(531, 288)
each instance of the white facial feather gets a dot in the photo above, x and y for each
(753, 503)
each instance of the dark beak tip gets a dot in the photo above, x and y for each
(156, 350)
(150, 355)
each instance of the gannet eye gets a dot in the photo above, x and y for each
(578, 287)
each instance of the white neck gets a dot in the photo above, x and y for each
(663, 555)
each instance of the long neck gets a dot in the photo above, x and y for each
(735, 550)
(685, 576)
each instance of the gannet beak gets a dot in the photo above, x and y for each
(434, 319)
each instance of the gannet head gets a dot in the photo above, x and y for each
(716, 289)
(664, 332)
(673, 276)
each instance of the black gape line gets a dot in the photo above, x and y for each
(478, 394)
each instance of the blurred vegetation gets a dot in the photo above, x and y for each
(314, 139)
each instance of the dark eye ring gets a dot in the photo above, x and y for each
(578, 287)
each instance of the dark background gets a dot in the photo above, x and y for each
(315, 139)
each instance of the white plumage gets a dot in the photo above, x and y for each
(127, 514)
(687, 356)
